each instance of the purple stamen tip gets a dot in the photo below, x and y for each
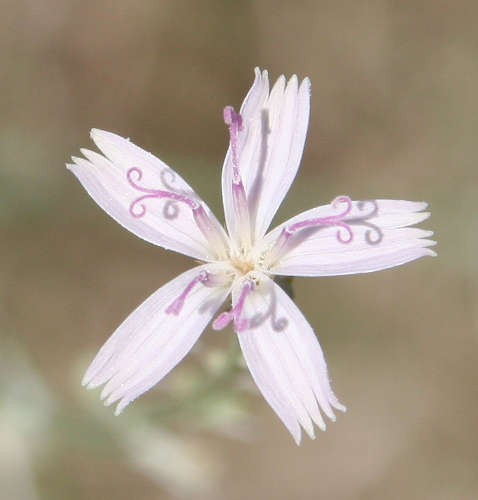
(226, 317)
(234, 121)
(222, 320)
(228, 115)
(231, 118)
(175, 307)
(178, 303)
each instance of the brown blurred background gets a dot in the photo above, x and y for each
(394, 115)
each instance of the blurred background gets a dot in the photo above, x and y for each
(394, 115)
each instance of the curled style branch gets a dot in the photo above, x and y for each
(331, 220)
(170, 210)
(136, 208)
(368, 209)
(293, 235)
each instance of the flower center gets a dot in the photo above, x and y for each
(243, 264)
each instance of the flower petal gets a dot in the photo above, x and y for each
(381, 239)
(285, 359)
(247, 142)
(270, 147)
(150, 342)
(165, 222)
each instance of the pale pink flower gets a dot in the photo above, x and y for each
(280, 348)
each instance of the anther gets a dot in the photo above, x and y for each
(234, 314)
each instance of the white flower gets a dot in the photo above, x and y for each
(281, 350)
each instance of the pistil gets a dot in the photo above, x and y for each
(178, 303)
(234, 314)
(208, 227)
(280, 245)
(241, 209)
(152, 193)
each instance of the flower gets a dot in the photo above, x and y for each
(280, 348)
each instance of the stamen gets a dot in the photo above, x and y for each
(226, 317)
(234, 122)
(332, 220)
(206, 225)
(178, 303)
